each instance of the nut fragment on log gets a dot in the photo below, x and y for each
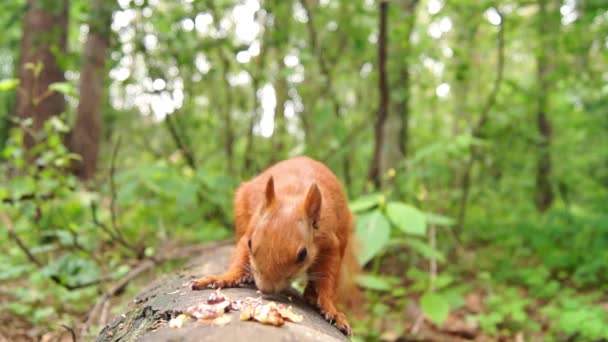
(148, 317)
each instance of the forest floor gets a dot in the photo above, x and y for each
(408, 325)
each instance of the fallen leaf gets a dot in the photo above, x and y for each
(457, 325)
(474, 302)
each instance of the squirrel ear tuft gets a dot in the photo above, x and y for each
(312, 204)
(270, 196)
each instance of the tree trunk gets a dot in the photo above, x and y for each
(147, 319)
(85, 137)
(544, 192)
(374, 167)
(228, 131)
(403, 104)
(44, 28)
(280, 129)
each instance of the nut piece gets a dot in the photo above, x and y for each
(178, 321)
(287, 313)
(213, 307)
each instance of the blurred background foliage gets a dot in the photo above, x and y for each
(471, 136)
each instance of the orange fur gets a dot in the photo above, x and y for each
(295, 204)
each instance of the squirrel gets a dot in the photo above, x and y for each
(293, 220)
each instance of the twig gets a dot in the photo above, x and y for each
(178, 141)
(34, 260)
(30, 197)
(103, 317)
(113, 187)
(71, 331)
(114, 232)
(143, 266)
(417, 324)
(107, 229)
(13, 235)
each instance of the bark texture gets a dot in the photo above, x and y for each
(44, 35)
(85, 137)
(403, 105)
(544, 192)
(146, 319)
(374, 167)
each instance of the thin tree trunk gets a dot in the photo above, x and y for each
(249, 154)
(228, 130)
(85, 137)
(466, 28)
(280, 129)
(403, 105)
(544, 192)
(44, 26)
(477, 131)
(374, 168)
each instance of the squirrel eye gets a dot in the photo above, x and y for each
(301, 255)
(249, 244)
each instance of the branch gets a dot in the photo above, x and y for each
(71, 331)
(113, 187)
(34, 260)
(28, 197)
(13, 235)
(497, 82)
(477, 130)
(178, 141)
(115, 236)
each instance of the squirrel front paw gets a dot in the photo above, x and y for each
(339, 320)
(213, 282)
(218, 282)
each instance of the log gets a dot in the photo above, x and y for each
(147, 317)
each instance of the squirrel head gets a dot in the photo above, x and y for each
(281, 244)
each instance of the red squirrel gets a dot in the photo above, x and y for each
(293, 220)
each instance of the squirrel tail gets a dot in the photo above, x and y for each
(349, 296)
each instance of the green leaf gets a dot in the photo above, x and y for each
(8, 84)
(64, 88)
(435, 307)
(366, 202)
(407, 218)
(424, 249)
(58, 125)
(373, 231)
(373, 282)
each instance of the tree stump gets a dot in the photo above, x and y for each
(147, 318)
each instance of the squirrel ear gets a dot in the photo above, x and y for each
(270, 191)
(312, 204)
